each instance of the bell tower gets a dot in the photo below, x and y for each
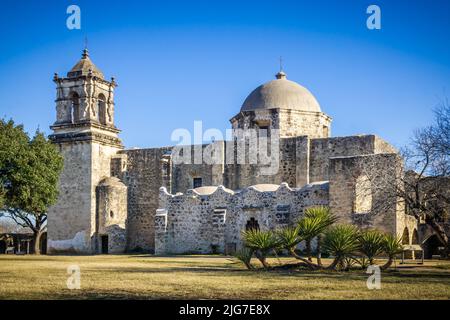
(85, 133)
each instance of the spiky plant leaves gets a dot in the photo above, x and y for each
(341, 241)
(371, 244)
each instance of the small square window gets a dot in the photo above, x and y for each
(197, 182)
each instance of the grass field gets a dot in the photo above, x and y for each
(206, 277)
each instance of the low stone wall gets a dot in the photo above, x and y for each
(211, 219)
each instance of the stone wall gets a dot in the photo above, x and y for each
(210, 219)
(290, 123)
(72, 212)
(111, 217)
(381, 173)
(145, 174)
(321, 150)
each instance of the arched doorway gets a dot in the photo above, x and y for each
(405, 236)
(252, 224)
(431, 246)
(415, 237)
(2, 246)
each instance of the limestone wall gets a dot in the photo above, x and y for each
(321, 150)
(382, 174)
(211, 219)
(111, 215)
(144, 176)
(72, 212)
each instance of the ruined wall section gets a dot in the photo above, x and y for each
(146, 171)
(321, 150)
(383, 174)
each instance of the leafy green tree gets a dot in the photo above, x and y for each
(261, 242)
(341, 241)
(29, 173)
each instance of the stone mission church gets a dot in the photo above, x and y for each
(114, 200)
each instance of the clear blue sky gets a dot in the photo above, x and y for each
(180, 61)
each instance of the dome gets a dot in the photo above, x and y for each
(283, 94)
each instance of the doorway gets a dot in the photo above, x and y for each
(104, 240)
(252, 224)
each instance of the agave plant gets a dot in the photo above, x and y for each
(245, 256)
(341, 241)
(391, 247)
(371, 244)
(262, 242)
(315, 222)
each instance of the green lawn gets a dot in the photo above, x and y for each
(206, 277)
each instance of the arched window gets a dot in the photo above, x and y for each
(101, 108)
(363, 195)
(74, 107)
(405, 236)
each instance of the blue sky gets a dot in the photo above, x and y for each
(180, 61)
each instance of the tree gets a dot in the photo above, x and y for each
(391, 246)
(323, 218)
(261, 242)
(29, 173)
(341, 241)
(371, 244)
(423, 184)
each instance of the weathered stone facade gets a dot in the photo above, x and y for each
(110, 198)
(210, 219)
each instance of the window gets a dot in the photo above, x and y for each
(362, 201)
(74, 108)
(252, 224)
(111, 214)
(101, 108)
(197, 182)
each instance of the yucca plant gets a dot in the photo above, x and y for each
(391, 247)
(371, 244)
(245, 256)
(262, 242)
(341, 241)
(288, 239)
(315, 222)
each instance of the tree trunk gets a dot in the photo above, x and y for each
(308, 250)
(262, 258)
(37, 241)
(334, 264)
(310, 265)
(319, 250)
(387, 264)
